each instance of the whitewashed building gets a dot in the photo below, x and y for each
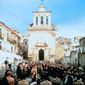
(74, 50)
(71, 52)
(41, 36)
(9, 44)
(82, 51)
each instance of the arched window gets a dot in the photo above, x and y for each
(41, 19)
(36, 20)
(25, 42)
(46, 19)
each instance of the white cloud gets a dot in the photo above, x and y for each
(72, 29)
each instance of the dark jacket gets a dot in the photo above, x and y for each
(4, 81)
(69, 80)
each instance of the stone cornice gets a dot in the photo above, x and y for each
(38, 29)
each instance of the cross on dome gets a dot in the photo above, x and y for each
(42, 8)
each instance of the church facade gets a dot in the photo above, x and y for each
(42, 37)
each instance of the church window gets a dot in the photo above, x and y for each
(46, 19)
(36, 20)
(41, 19)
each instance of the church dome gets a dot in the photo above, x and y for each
(42, 8)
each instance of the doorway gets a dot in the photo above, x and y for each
(41, 55)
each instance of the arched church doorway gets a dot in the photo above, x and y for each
(41, 54)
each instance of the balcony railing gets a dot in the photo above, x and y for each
(1, 35)
(12, 39)
(0, 47)
(83, 49)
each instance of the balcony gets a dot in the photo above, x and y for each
(0, 47)
(1, 35)
(83, 50)
(12, 39)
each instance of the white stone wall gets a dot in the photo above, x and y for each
(41, 37)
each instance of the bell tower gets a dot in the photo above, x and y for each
(42, 17)
(41, 36)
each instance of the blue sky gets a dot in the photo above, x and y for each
(67, 15)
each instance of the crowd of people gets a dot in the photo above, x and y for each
(44, 73)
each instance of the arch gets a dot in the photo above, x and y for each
(42, 22)
(36, 20)
(41, 55)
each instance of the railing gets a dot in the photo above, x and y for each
(83, 49)
(11, 38)
(0, 47)
(1, 35)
